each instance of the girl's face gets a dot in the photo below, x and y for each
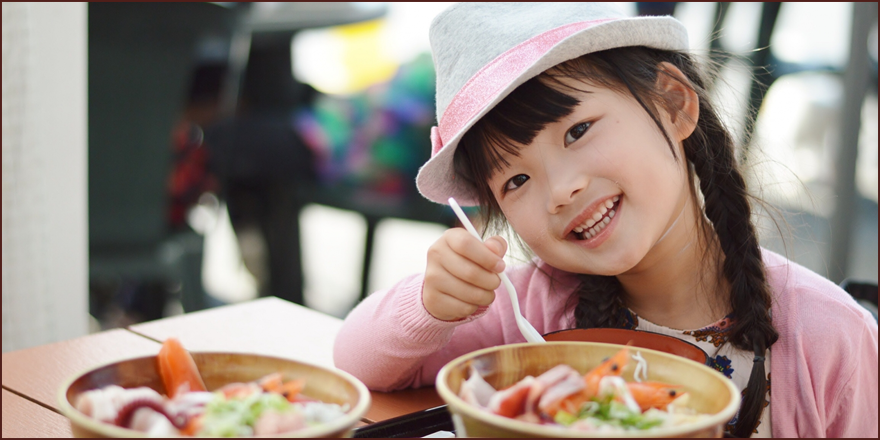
(595, 192)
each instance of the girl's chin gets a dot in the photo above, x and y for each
(594, 265)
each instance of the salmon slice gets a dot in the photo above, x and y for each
(511, 402)
(178, 369)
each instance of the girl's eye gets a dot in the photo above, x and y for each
(516, 182)
(576, 132)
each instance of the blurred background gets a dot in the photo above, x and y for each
(166, 158)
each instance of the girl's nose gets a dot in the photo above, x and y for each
(564, 184)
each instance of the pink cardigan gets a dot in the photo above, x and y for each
(823, 371)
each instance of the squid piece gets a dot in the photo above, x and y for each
(475, 390)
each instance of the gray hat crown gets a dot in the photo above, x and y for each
(467, 36)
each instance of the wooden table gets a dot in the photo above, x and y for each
(270, 326)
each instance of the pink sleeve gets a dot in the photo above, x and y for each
(852, 411)
(389, 337)
(390, 342)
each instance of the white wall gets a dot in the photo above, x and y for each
(45, 229)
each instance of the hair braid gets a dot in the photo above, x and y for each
(598, 302)
(727, 207)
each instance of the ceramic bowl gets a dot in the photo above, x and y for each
(710, 392)
(218, 369)
(637, 338)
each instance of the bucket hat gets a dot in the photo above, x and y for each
(483, 51)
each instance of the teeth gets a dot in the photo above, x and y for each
(601, 218)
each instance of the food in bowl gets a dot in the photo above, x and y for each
(496, 392)
(253, 395)
(598, 401)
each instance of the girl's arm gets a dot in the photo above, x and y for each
(390, 342)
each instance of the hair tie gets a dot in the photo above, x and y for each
(759, 352)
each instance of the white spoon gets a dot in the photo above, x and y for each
(525, 327)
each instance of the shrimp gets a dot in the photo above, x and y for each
(274, 383)
(653, 394)
(612, 366)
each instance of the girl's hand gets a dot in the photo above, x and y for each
(462, 274)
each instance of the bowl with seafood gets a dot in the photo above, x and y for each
(584, 389)
(635, 338)
(178, 393)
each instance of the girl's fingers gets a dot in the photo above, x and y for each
(464, 291)
(468, 272)
(481, 253)
(461, 274)
(497, 245)
(448, 308)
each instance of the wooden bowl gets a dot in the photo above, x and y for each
(638, 338)
(710, 392)
(218, 369)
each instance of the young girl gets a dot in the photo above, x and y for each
(592, 136)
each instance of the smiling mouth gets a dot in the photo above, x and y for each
(601, 218)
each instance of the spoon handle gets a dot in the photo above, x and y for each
(525, 327)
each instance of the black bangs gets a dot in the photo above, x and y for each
(518, 118)
(515, 121)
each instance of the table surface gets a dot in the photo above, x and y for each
(271, 326)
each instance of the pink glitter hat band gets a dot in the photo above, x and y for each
(483, 86)
(483, 51)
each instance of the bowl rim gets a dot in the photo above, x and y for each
(452, 399)
(708, 358)
(350, 419)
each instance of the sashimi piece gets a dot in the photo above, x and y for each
(155, 424)
(569, 385)
(511, 402)
(476, 391)
(273, 422)
(612, 366)
(178, 369)
(546, 380)
(240, 390)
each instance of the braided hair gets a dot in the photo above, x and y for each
(726, 228)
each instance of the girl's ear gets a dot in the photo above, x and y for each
(683, 102)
